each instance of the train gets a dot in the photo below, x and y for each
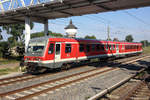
(52, 53)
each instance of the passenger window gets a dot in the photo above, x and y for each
(106, 46)
(110, 47)
(68, 48)
(88, 48)
(98, 47)
(122, 46)
(81, 48)
(57, 49)
(51, 48)
(93, 47)
(117, 46)
(102, 47)
(113, 47)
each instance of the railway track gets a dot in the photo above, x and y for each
(132, 90)
(140, 92)
(50, 86)
(55, 84)
(28, 77)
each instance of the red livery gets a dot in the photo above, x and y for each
(55, 52)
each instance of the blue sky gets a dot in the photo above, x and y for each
(120, 22)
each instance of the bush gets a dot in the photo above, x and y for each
(4, 47)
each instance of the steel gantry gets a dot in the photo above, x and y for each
(25, 11)
(13, 4)
(6, 5)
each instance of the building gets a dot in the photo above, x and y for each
(71, 30)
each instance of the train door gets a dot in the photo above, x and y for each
(57, 51)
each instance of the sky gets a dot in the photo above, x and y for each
(133, 22)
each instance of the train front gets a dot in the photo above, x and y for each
(35, 55)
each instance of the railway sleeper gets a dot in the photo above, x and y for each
(112, 96)
(140, 98)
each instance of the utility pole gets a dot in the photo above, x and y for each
(108, 33)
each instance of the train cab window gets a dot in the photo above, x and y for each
(88, 48)
(81, 48)
(51, 48)
(97, 47)
(68, 48)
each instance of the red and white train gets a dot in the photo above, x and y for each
(55, 52)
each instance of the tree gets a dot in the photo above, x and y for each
(145, 43)
(16, 31)
(129, 38)
(4, 46)
(116, 39)
(90, 37)
(41, 34)
(37, 34)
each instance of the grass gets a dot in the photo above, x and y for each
(8, 70)
(146, 50)
(7, 61)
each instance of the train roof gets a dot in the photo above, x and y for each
(66, 39)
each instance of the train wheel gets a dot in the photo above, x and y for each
(36, 70)
(65, 66)
(30, 69)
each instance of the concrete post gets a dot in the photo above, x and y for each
(27, 32)
(46, 27)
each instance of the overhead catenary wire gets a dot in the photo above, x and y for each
(84, 26)
(137, 18)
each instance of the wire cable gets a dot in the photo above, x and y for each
(137, 18)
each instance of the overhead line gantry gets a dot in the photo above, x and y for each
(25, 11)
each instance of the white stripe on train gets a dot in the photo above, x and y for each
(82, 58)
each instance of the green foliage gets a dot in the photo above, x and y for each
(41, 34)
(146, 50)
(90, 37)
(116, 39)
(4, 46)
(145, 43)
(56, 34)
(8, 61)
(129, 38)
(8, 70)
(16, 31)
(37, 34)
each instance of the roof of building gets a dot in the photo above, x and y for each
(71, 26)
